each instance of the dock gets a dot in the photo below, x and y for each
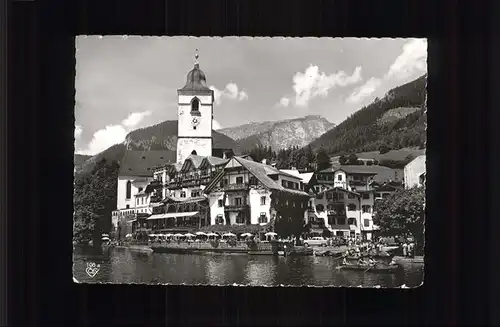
(402, 260)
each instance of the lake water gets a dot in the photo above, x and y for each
(125, 266)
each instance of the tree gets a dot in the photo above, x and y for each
(384, 148)
(343, 160)
(322, 160)
(94, 200)
(402, 214)
(352, 159)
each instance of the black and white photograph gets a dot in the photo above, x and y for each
(250, 161)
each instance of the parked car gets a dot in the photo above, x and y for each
(316, 241)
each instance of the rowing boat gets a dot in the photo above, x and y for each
(370, 268)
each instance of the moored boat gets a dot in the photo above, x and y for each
(370, 268)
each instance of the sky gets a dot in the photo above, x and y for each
(126, 83)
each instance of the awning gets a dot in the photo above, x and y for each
(173, 215)
(131, 221)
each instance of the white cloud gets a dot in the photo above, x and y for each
(104, 138)
(412, 60)
(364, 90)
(243, 96)
(312, 83)
(284, 101)
(135, 118)
(78, 132)
(215, 125)
(113, 134)
(231, 91)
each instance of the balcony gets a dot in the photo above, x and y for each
(357, 183)
(236, 187)
(155, 198)
(239, 207)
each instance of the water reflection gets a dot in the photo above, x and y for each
(226, 269)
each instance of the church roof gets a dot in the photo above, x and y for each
(196, 81)
(141, 163)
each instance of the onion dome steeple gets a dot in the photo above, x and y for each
(196, 80)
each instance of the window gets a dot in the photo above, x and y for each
(331, 220)
(194, 127)
(253, 180)
(351, 196)
(142, 200)
(340, 196)
(367, 222)
(283, 183)
(194, 151)
(239, 180)
(239, 218)
(183, 194)
(351, 207)
(193, 194)
(128, 206)
(221, 203)
(329, 195)
(377, 195)
(262, 200)
(226, 181)
(137, 201)
(237, 201)
(366, 196)
(221, 184)
(195, 105)
(262, 218)
(319, 196)
(339, 177)
(341, 221)
(320, 208)
(351, 221)
(366, 208)
(293, 204)
(128, 190)
(219, 220)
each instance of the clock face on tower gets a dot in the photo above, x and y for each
(195, 121)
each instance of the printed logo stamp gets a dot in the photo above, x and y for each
(92, 269)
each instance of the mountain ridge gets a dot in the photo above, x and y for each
(279, 134)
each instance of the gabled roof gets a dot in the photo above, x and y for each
(141, 163)
(193, 160)
(178, 167)
(260, 171)
(306, 177)
(211, 161)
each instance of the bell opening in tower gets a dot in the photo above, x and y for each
(195, 105)
(193, 152)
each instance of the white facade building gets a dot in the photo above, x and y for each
(415, 172)
(242, 194)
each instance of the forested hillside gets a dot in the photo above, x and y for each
(369, 129)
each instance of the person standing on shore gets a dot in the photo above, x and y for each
(405, 249)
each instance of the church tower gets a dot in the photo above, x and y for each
(195, 114)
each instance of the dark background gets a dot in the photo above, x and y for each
(37, 171)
